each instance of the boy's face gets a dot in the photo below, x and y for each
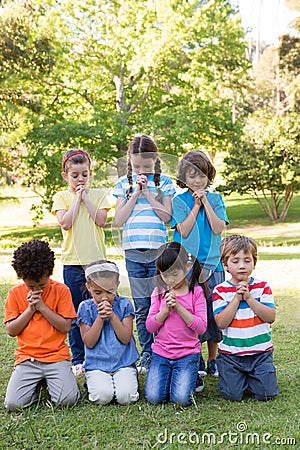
(103, 288)
(195, 179)
(36, 285)
(77, 174)
(240, 266)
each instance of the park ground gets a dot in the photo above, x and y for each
(211, 422)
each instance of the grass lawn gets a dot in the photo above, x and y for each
(211, 422)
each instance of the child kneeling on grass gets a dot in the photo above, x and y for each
(177, 314)
(244, 309)
(39, 312)
(106, 327)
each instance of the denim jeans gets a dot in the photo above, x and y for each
(172, 380)
(74, 278)
(140, 265)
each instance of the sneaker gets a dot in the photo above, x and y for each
(212, 368)
(199, 384)
(77, 369)
(201, 368)
(144, 363)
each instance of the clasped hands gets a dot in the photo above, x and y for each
(141, 182)
(200, 196)
(35, 300)
(170, 300)
(105, 309)
(242, 289)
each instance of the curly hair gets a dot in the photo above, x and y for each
(33, 260)
(195, 161)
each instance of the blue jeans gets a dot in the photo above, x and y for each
(172, 379)
(237, 373)
(140, 265)
(74, 278)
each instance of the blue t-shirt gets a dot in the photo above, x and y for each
(201, 241)
(109, 354)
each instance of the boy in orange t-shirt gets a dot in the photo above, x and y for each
(39, 312)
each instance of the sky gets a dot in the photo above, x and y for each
(266, 19)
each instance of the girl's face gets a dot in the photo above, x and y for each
(104, 289)
(240, 266)
(195, 179)
(142, 165)
(77, 174)
(174, 278)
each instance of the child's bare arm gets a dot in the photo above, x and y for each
(16, 326)
(123, 329)
(99, 216)
(90, 334)
(184, 228)
(124, 208)
(264, 312)
(66, 218)
(225, 317)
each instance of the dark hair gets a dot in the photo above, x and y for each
(144, 145)
(195, 160)
(234, 243)
(33, 260)
(174, 256)
(75, 156)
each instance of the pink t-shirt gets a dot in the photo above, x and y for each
(175, 338)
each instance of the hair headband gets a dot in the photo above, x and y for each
(77, 152)
(104, 267)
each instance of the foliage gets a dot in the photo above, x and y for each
(171, 69)
(267, 162)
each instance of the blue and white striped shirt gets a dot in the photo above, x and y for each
(144, 228)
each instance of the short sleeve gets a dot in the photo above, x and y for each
(180, 211)
(59, 202)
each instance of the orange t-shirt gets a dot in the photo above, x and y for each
(39, 339)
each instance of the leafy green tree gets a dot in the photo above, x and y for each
(266, 164)
(173, 69)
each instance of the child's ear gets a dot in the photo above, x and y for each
(64, 175)
(87, 286)
(225, 267)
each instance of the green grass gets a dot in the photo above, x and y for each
(243, 210)
(144, 426)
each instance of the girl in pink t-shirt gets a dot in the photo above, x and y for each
(178, 315)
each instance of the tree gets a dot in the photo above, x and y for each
(266, 165)
(172, 69)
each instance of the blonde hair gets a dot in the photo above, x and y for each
(234, 243)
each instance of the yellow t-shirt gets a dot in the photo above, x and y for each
(84, 242)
